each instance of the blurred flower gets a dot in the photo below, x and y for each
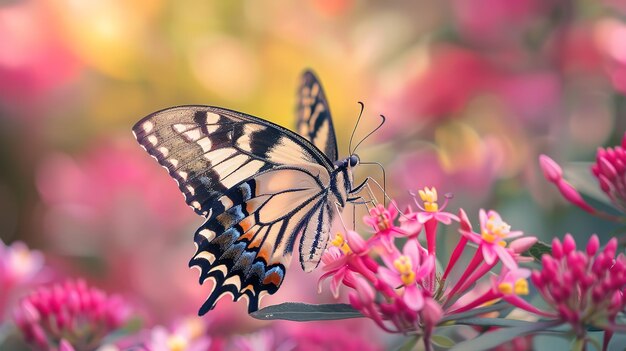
(102, 207)
(264, 340)
(189, 335)
(493, 21)
(611, 36)
(584, 287)
(328, 336)
(34, 60)
(72, 311)
(18, 264)
(19, 269)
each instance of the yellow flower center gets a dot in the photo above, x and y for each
(519, 288)
(382, 223)
(195, 327)
(429, 196)
(505, 288)
(340, 242)
(177, 343)
(488, 237)
(405, 268)
(497, 226)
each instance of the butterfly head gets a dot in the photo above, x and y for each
(348, 162)
(353, 160)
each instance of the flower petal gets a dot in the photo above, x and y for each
(489, 254)
(424, 217)
(505, 256)
(413, 298)
(392, 278)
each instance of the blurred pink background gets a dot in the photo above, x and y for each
(473, 92)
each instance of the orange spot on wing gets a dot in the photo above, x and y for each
(273, 278)
(249, 234)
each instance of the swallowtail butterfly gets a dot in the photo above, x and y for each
(260, 186)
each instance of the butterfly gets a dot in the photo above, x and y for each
(260, 187)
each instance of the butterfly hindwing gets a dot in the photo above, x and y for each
(314, 120)
(247, 242)
(258, 185)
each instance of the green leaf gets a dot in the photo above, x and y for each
(132, 326)
(537, 250)
(409, 344)
(472, 313)
(302, 312)
(494, 322)
(442, 341)
(492, 339)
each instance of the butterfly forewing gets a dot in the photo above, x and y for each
(314, 120)
(259, 185)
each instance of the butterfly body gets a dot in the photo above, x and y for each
(258, 185)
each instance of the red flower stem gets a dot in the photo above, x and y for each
(479, 273)
(456, 254)
(430, 227)
(478, 258)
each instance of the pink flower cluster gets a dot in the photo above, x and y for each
(406, 294)
(69, 316)
(584, 287)
(610, 172)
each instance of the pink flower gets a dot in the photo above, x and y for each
(430, 209)
(382, 220)
(491, 240)
(18, 264)
(73, 311)
(189, 335)
(345, 257)
(610, 171)
(407, 272)
(430, 215)
(103, 205)
(19, 269)
(35, 60)
(264, 340)
(583, 287)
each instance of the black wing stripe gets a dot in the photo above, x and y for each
(237, 235)
(314, 119)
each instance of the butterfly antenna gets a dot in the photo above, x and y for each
(382, 121)
(355, 127)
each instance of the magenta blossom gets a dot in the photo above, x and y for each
(345, 257)
(610, 172)
(20, 268)
(407, 272)
(430, 209)
(74, 312)
(491, 240)
(584, 287)
(188, 335)
(382, 220)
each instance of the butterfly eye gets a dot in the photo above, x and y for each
(354, 160)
